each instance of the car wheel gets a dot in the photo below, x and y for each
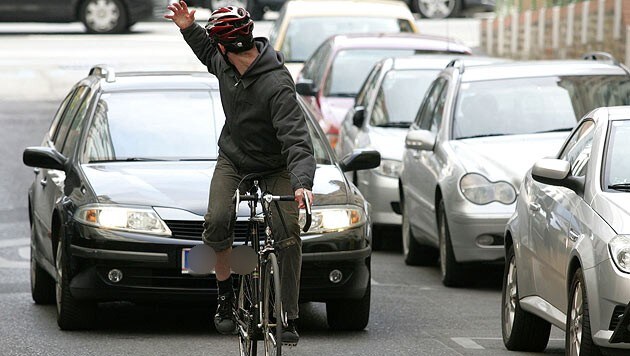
(437, 9)
(42, 284)
(414, 253)
(104, 16)
(71, 313)
(522, 331)
(452, 272)
(349, 314)
(578, 339)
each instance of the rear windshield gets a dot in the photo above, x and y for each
(305, 34)
(532, 105)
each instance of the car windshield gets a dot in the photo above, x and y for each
(533, 105)
(351, 67)
(399, 98)
(305, 34)
(617, 163)
(153, 125)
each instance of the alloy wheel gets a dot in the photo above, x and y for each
(509, 307)
(436, 9)
(58, 286)
(575, 326)
(442, 237)
(102, 15)
(405, 233)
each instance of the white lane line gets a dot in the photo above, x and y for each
(14, 242)
(4, 263)
(379, 284)
(467, 343)
(374, 282)
(498, 338)
(25, 252)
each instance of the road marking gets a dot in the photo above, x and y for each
(4, 263)
(467, 343)
(14, 242)
(25, 252)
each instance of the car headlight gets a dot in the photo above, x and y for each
(389, 168)
(133, 219)
(619, 248)
(332, 219)
(479, 190)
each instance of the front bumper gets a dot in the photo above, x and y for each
(609, 296)
(382, 193)
(466, 228)
(151, 267)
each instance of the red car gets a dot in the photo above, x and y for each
(333, 75)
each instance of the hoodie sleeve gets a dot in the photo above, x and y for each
(198, 40)
(291, 130)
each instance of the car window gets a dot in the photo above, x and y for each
(438, 113)
(369, 86)
(533, 105)
(617, 169)
(577, 151)
(400, 96)
(304, 34)
(68, 116)
(62, 108)
(273, 34)
(74, 133)
(429, 103)
(315, 67)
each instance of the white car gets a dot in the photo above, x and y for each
(568, 243)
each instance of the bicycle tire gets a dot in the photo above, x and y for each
(247, 314)
(272, 307)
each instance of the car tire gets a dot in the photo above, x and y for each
(452, 272)
(578, 321)
(521, 330)
(414, 253)
(349, 314)
(42, 284)
(72, 314)
(104, 16)
(449, 8)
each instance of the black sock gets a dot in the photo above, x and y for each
(225, 286)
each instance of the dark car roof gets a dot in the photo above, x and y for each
(525, 69)
(125, 81)
(397, 40)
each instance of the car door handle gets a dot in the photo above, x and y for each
(573, 235)
(43, 182)
(534, 206)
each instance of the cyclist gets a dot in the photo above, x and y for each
(265, 130)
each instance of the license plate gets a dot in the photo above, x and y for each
(185, 263)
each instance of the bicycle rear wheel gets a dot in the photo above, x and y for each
(247, 314)
(273, 314)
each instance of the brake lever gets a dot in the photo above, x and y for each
(307, 208)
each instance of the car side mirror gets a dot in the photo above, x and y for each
(556, 172)
(305, 87)
(421, 140)
(44, 157)
(359, 160)
(359, 116)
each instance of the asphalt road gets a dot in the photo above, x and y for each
(412, 313)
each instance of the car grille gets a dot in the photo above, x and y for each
(192, 230)
(616, 316)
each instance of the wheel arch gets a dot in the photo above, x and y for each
(55, 229)
(438, 197)
(574, 265)
(508, 241)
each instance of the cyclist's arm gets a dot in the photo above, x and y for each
(198, 40)
(292, 132)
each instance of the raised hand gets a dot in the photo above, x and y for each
(181, 16)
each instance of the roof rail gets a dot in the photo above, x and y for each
(104, 71)
(595, 56)
(457, 63)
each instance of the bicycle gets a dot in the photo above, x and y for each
(259, 314)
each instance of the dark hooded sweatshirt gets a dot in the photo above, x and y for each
(265, 128)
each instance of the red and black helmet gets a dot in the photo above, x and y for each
(232, 27)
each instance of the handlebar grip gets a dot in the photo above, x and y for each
(247, 197)
(286, 198)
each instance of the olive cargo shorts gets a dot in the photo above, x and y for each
(219, 224)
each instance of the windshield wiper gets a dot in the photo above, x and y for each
(129, 159)
(482, 135)
(564, 129)
(625, 187)
(403, 124)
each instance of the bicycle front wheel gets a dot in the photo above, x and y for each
(273, 314)
(247, 314)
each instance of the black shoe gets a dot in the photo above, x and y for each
(224, 318)
(290, 335)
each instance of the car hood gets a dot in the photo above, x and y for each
(185, 185)
(334, 110)
(614, 208)
(506, 157)
(388, 141)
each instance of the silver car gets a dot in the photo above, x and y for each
(568, 243)
(477, 132)
(385, 107)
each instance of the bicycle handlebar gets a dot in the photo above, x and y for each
(249, 197)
